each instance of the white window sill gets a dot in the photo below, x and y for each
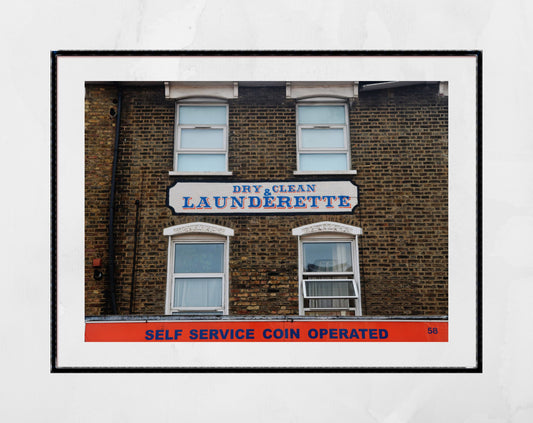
(173, 173)
(325, 172)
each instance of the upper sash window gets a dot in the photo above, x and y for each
(323, 137)
(201, 138)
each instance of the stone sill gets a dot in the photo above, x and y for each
(173, 173)
(325, 172)
(147, 318)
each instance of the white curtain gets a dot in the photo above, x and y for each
(197, 292)
(329, 257)
(343, 257)
(329, 288)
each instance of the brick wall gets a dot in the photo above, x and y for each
(100, 104)
(400, 145)
(399, 148)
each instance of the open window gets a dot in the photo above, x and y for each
(197, 269)
(329, 269)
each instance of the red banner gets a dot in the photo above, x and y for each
(268, 331)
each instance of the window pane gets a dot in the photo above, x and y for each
(322, 138)
(323, 161)
(329, 288)
(327, 257)
(325, 115)
(202, 115)
(197, 292)
(202, 138)
(198, 258)
(201, 162)
(326, 303)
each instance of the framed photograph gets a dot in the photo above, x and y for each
(263, 211)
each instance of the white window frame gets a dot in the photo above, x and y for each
(324, 232)
(345, 149)
(178, 150)
(329, 297)
(197, 233)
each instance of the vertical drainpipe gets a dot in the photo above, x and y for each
(111, 241)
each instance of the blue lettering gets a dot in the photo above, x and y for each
(236, 188)
(311, 188)
(344, 201)
(213, 334)
(269, 202)
(186, 204)
(299, 202)
(217, 205)
(330, 333)
(237, 200)
(284, 200)
(255, 202)
(193, 334)
(177, 333)
(291, 188)
(149, 335)
(257, 188)
(287, 333)
(314, 199)
(203, 204)
(278, 333)
(246, 188)
(159, 334)
(328, 198)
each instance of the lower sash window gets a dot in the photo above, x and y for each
(329, 269)
(198, 270)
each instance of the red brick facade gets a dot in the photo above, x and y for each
(398, 147)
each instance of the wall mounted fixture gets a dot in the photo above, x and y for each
(98, 275)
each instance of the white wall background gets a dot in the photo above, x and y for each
(31, 29)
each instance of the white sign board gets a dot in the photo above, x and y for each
(284, 197)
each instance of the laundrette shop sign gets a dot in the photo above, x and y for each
(262, 197)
